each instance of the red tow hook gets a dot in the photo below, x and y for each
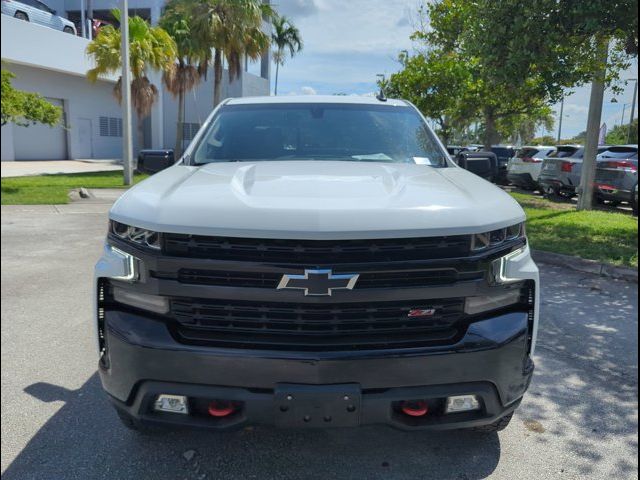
(415, 408)
(221, 408)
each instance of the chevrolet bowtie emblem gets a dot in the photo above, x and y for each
(319, 282)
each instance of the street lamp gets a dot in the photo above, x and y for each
(560, 121)
(633, 107)
(125, 86)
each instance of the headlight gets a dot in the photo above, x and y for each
(498, 270)
(481, 241)
(140, 236)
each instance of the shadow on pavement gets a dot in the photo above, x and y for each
(584, 392)
(84, 439)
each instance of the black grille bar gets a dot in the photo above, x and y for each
(376, 279)
(316, 252)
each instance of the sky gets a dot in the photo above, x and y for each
(348, 42)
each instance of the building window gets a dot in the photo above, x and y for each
(189, 130)
(110, 127)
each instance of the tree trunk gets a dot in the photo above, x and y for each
(490, 131)
(217, 77)
(585, 201)
(179, 126)
(277, 68)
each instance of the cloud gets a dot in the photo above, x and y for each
(296, 8)
(308, 91)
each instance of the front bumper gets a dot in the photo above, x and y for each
(491, 361)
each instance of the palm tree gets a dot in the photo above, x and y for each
(149, 48)
(177, 21)
(233, 29)
(285, 36)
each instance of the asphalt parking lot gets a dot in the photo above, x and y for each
(579, 419)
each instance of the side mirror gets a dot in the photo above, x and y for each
(483, 164)
(153, 161)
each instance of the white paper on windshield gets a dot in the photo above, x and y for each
(422, 160)
(372, 156)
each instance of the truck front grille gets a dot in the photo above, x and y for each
(376, 279)
(310, 326)
(315, 252)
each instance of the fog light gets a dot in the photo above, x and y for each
(153, 303)
(171, 403)
(462, 403)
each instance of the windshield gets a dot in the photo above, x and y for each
(621, 152)
(503, 152)
(527, 152)
(346, 132)
(563, 152)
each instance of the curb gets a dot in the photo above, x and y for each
(587, 266)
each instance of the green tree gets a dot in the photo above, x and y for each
(151, 48)
(26, 108)
(439, 84)
(285, 37)
(233, 30)
(178, 22)
(522, 55)
(544, 140)
(619, 135)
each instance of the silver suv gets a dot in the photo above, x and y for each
(562, 169)
(617, 174)
(37, 12)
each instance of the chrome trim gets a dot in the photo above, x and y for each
(351, 278)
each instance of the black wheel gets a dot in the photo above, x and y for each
(634, 201)
(21, 16)
(68, 30)
(496, 426)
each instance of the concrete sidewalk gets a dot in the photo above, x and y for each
(48, 167)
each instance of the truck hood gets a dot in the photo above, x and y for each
(316, 200)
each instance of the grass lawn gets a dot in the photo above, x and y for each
(596, 235)
(54, 189)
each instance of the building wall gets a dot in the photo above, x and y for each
(82, 101)
(54, 64)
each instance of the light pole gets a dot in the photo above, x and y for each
(560, 121)
(624, 109)
(125, 86)
(633, 108)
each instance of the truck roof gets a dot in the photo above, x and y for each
(344, 99)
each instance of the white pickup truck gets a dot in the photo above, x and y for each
(316, 262)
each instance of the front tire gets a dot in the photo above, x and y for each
(496, 426)
(21, 16)
(68, 30)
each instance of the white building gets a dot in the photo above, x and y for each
(54, 64)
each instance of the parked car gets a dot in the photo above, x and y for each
(504, 154)
(454, 150)
(561, 171)
(284, 273)
(617, 174)
(37, 12)
(524, 169)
